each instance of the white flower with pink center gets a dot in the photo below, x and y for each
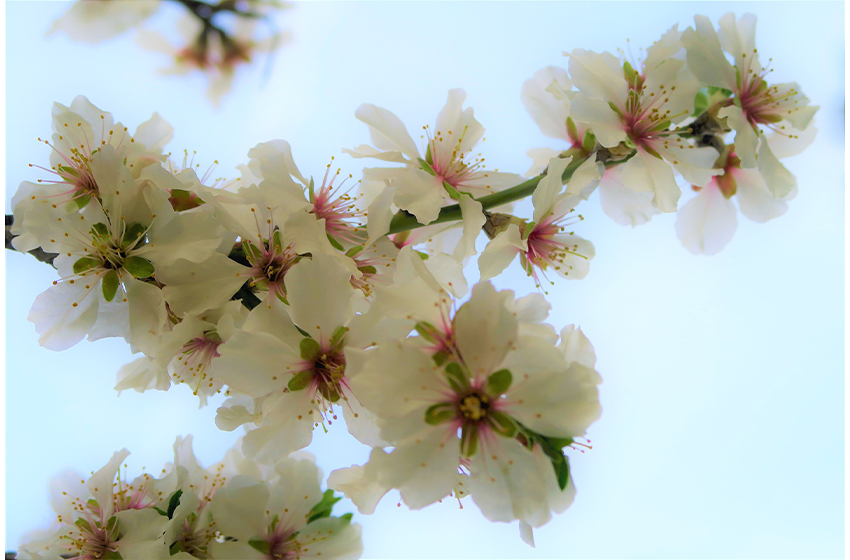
(544, 244)
(444, 171)
(640, 109)
(754, 104)
(482, 404)
(344, 221)
(295, 358)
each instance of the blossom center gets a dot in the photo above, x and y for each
(474, 406)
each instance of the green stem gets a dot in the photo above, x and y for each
(404, 221)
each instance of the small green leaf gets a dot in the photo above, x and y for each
(615, 108)
(335, 243)
(502, 424)
(562, 471)
(261, 545)
(368, 269)
(100, 229)
(132, 235)
(572, 129)
(453, 193)
(173, 502)
(110, 285)
(426, 330)
(422, 255)
(338, 337)
(277, 244)
(346, 517)
(312, 188)
(111, 524)
(700, 103)
(310, 349)
(138, 267)
(439, 413)
(176, 547)
(560, 443)
(161, 512)
(111, 555)
(353, 251)
(83, 524)
(324, 507)
(440, 357)
(426, 166)
(456, 377)
(499, 382)
(86, 263)
(302, 331)
(628, 72)
(252, 253)
(588, 144)
(468, 440)
(300, 380)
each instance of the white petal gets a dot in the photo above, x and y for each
(746, 137)
(696, 165)
(240, 508)
(366, 151)
(779, 180)
(601, 119)
(154, 133)
(540, 160)
(549, 187)
(419, 193)
(473, 220)
(194, 288)
(319, 293)
(622, 204)
(380, 215)
(705, 55)
(599, 76)
(707, 222)
(255, 364)
(576, 348)
(585, 179)
(549, 112)
(500, 252)
(754, 198)
(387, 131)
(645, 172)
(791, 142)
(287, 426)
(485, 330)
(59, 322)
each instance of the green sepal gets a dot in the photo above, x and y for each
(312, 189)
(83, 524)
(439, 413)
(427, 167)
(652, 152)
(277, 243)
(260, 545)
(160, 511)
(429, 157)
(456, 377)
(572, 129)
(712, 90)
(324, 507)
(556, 455)
(502, 424)
(588, 143)
(100, 229)
(110, 285)
(346, 517)
(368, 269)
(81, 201)
(173, 502)
(353, 251)
(560, 443)
(628, 72)
(660, 126)
(440, 357)
(86, 263)
(302, 331)
(182, 200)
(310, 349)
(335, 243)
(252, 253)
(700, 103)
(422, 255)
(176, 547)
(111, 524)
(300, 380)
(453, 193)
(527, 228)
(112, 555)
(132, 235)
(468, 440)
(499, 382)
(139, 267)
(615, 108)
(338, 337)
(425, 330)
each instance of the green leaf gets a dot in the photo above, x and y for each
(261, 545)
(310, 349)
(277, 244)
(324, 507)
(132, 235)
(456, 377)
(335, 243)
(439, 413)
(338, 337)
(138, 267)
(110, 285)
(426, 166)
(252, 253)
(453, 193)
(100, 229)
(501, 423)
(700, 103)
(173, 502)
(468, 440)
(86, 263)
(499, 382)
(300, 380)
(588, 143)
(562, 471)
(560, 443)
(572, 129)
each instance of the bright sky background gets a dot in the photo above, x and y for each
(722, 432)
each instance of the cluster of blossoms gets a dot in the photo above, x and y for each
(216, 38)
(233, 509)
(302, 301)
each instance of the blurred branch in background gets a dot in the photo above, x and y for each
(214, 38)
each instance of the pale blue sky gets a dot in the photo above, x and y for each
(722, 432)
